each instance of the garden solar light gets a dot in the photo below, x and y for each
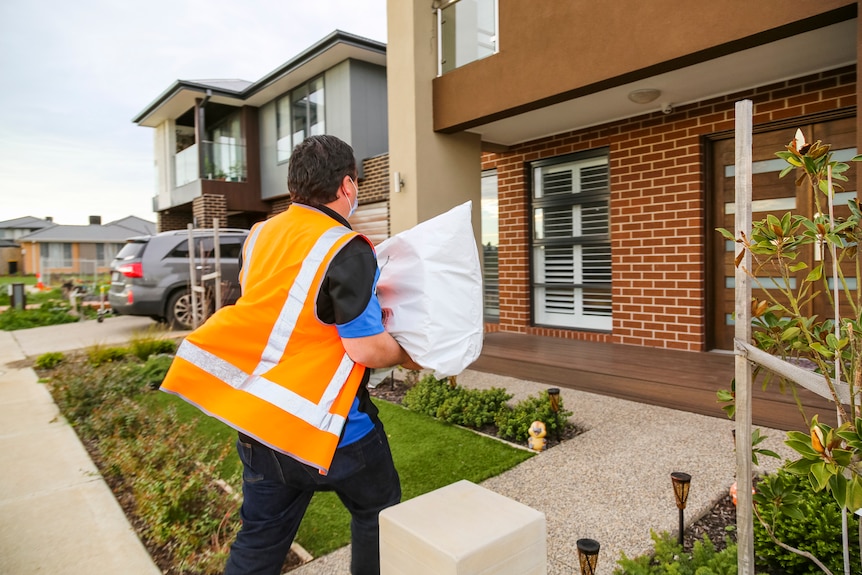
(554, 397)
(588, 555)
(681, 482)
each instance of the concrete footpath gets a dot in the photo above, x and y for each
(611, 483)
(57, 515)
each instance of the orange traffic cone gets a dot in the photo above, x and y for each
(39, 285)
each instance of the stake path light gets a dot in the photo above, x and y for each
(554, 398)
(588, 555)
(681, 483)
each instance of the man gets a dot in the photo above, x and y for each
(287, 367)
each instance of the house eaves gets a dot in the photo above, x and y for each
(325, 54)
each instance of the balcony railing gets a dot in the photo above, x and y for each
(221, 161)
(466, 32)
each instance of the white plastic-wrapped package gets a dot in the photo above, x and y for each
(430, 289)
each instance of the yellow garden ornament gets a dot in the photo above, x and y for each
(537, 441)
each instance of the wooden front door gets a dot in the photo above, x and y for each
(770, 195)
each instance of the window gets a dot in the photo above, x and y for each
(59, 255)
(299, 114)
(571, 242)
(467, 31)
(490, 244)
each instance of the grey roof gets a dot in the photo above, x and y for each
(8, 244)
(114, 232)
(135, 224)
(26, 223)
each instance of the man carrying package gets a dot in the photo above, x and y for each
(287, 366)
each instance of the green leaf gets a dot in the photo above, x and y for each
(819, 475)
(793, 512)
(854, 494)
(800, 467)
(838, 488)
(816, 273)
(768, 453)
(822, 350)
(786, 170)
(798, 266)
(726, 234)
(790, 333)
(842, 457)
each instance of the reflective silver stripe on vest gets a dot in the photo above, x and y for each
(248, 250)
(314, 414)
(293, 305)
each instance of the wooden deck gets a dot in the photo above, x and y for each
(670, 378)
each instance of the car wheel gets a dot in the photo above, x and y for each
(179, 310)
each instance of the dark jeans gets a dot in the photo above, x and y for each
(277, 489)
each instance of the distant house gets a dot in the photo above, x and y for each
(79, 250)
(222, 146)
(10, 249)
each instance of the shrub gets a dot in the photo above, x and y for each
(428, 395)
(49, 360)
(170, 471)
(480, 408)
(816, 529)
(144, 346)
(98, 355)
(669, 558)
(514, 422)
(150, 373)
(473, 408)
(173, 479)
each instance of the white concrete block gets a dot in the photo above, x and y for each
(462, 529)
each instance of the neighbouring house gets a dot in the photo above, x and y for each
(82, 251)
(222, 146)
(598, 138)
(10, 249)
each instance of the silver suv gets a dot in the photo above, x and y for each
(150, 275)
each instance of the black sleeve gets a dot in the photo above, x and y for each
(348, 283)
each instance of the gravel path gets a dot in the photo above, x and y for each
(612, 482)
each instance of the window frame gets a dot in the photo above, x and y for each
(289, 97)
(580, 321)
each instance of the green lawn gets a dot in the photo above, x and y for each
(428, 454)
(27, 280)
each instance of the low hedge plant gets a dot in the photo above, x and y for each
(483, 408)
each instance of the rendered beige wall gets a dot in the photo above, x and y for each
(439, 171)
(541, 44)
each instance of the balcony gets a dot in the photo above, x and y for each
(224, 172)
(222, 161)
(467, 31)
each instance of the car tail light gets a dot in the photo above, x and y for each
(130, 298)
(132, 270)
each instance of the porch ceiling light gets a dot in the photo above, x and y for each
(644, 96)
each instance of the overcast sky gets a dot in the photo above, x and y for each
(74, 74)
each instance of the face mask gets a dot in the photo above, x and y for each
(355, 203)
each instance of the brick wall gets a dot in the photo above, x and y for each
(657, 179)
(374, 187)
(207, 207)
(172, 220)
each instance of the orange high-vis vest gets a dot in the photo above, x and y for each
(267, 366)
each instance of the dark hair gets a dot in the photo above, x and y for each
(317, 167)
